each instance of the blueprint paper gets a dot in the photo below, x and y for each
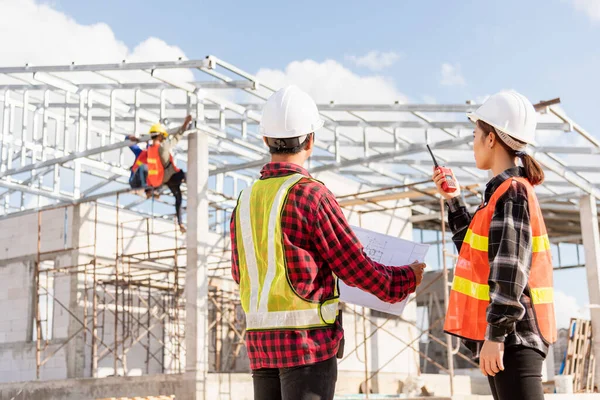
(386, 250)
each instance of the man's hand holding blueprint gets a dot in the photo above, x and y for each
(386, 250)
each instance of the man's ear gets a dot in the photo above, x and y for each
(311, 141)
(265, 141)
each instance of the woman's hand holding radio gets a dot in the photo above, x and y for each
(439, 177)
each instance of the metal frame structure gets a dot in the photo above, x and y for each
(63, 131)
(63, 140)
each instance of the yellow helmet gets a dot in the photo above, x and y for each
(158, 129)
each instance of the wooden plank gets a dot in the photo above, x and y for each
(570, 350)
(592, 373)
(579, 361)
(579, 352)
(591, 365)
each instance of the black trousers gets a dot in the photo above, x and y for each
(175, 185)
(522, 375)
(306, 382)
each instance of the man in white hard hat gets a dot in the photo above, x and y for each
(290, 244)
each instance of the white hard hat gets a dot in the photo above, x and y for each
(289, 113)
(511, 113)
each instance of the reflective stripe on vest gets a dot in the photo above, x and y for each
(477, 242)
(268, 299)
(470, 294)
(482, 292)
(136, 165)
(140, 160)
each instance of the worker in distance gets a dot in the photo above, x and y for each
(501, 302)
(155, 166)
(290, 244)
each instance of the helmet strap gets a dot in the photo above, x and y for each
(287, 143)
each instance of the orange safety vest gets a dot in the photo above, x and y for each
(141, 159)
(469, 297)
(156, 170)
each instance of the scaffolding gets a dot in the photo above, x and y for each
(63, 143)
(120, 302)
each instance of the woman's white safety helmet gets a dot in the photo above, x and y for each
(289, 113)
(512, 115)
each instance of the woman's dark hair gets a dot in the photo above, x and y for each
(533, 170)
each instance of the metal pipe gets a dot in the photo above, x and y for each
(85, 301)
(148, 316)
(446, 297)
(116, 327)
(95, 298)
(38, 323)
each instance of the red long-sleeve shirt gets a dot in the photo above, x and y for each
(317, 241)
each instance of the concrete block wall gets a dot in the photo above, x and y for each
(17, 362)
(61, 229)
(17, 345)
(18, 236)
(132, 231)
(15, 302)
(56, 229)
(61, 318)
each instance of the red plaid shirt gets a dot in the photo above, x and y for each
(317, 241)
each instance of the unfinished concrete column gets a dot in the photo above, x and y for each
(591, 243)
(196, 273)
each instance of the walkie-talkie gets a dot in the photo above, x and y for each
(449, 184)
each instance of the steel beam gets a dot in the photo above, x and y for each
(16, 187)
(569, 175)
(576, 127)
(390, 124)
(591, 243)
(412, 149)
(196, 278)
(132, 86)
(122, 66)
(67, 158)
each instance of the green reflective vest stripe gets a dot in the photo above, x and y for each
(268, 299)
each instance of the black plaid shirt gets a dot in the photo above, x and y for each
(510, 314)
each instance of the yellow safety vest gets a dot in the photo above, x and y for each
(268, 299)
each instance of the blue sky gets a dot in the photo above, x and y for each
(441, 51)
(544, 49)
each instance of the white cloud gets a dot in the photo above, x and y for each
(566, 307)
(590, 7)
(375, 60)
(329, 80)
(451, 75)
(38, 34)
